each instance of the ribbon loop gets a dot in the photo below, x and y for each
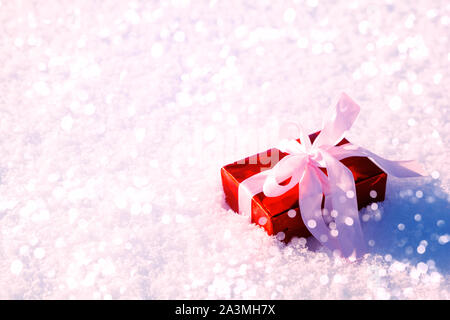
(289, 167)
(337, 122)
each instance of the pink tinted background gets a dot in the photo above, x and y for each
(116, 116)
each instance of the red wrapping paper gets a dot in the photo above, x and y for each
(271, 213)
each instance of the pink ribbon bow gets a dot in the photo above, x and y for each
(337, 226)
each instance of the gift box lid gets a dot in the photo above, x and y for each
(362, 168)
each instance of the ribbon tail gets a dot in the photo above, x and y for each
(328, 205)
(343, 198)
(399, 169)
(310, 202)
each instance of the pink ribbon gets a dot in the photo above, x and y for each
(337, 226)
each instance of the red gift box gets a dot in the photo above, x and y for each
(275, 214)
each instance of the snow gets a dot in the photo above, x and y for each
(116, 117)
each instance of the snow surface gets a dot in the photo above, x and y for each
(116, 117)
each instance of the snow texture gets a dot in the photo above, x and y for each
(116, 117)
